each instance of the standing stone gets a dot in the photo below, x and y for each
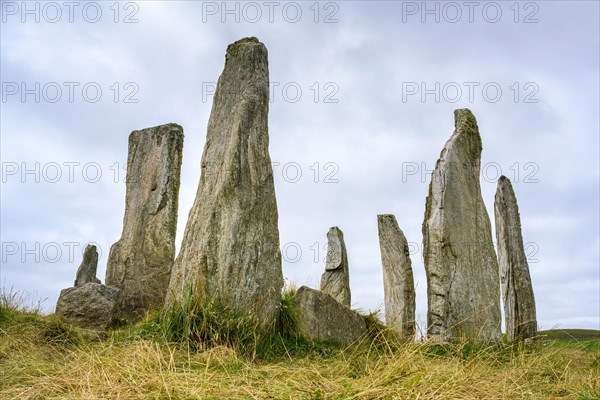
(87, 269)
(398, 283)
(321, 317)
(517, 292)
(230, 249)
(336, 279)
(463, 288)
(140, 262)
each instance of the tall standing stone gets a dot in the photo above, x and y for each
(230, 249)
(87, 269)
(515, 280)
(336, 278)
(463, 288)
(140, 262)
(398, 283)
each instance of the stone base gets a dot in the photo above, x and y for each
(322, 317)
(90, 306)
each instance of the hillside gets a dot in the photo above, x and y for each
(570, 334)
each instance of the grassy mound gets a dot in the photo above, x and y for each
(202, 350)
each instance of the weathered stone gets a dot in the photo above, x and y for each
(140, 262)
(89, 306)
(398, 283)
(336, 278)
(322, 317)
(515, 280)
(86, 272)
(230, 249)
(463, 288)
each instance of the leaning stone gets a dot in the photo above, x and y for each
(230, 249)
(515, 280)
(140, 262)
(321, 317)
(87, 269)
(89, 306)
(336, 278)
(398, 283)
(463, 287)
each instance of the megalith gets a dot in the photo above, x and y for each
(140, 262)
(515, 280)
(230, 249)
(336, 279)
(398, 282)
(463, 288)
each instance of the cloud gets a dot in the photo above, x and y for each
(362, 141)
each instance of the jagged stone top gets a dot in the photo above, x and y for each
(234, 48)
(172, 127)
(505, 201)
(334, 259)
(464, 117)
(464, 143)
(387, 218)
(87, 270)
(465, 128)
(504, 182)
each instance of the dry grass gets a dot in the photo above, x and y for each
(41, 358)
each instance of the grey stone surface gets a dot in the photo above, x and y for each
(463, 288)
(140, 262)
(86, 272)
(322, 317)
(89, 306)
(398, 282)
(230, 249)
(336, 278)
(515, 280)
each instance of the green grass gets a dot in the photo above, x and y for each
(570, 334)
(200, 349)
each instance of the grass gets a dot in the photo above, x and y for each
(202, 350)
(568, 334)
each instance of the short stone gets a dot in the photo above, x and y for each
(321, 317)
(90, 306)
(336, 278)
(87, 269)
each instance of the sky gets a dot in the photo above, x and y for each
(362, 101)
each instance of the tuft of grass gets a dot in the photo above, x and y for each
(19, 302)
(56, 332)
(199, 323)
(287, 324)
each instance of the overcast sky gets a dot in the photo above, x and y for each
(362, 103)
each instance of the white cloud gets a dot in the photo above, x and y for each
(370, 133)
